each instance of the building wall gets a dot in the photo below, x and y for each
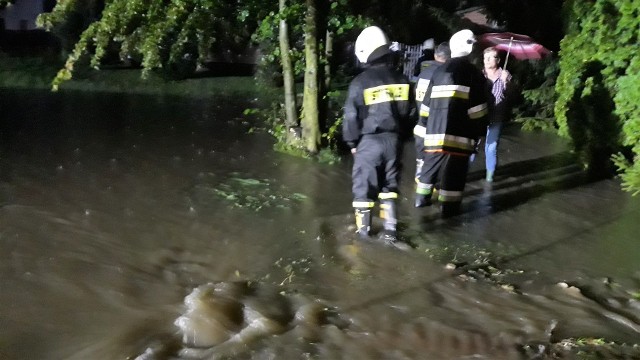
(22, 15)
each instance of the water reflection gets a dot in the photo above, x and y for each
(112, 216)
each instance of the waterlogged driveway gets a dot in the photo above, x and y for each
(162, 228)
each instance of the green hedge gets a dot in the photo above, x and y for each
(597, 88)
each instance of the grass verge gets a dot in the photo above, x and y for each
(37, 73)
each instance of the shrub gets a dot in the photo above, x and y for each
(598, 95)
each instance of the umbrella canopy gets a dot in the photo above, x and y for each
(519, 46)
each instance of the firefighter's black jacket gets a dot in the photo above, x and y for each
(378, 102)
(454, 109)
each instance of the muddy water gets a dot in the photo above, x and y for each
(162, 228)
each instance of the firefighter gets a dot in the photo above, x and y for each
(423, 61)
(377, 108)
(454, 111)
(440, 56)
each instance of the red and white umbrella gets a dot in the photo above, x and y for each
(520, 46)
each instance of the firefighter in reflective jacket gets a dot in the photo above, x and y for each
(440, 56)
(378, 106)
(454, 114)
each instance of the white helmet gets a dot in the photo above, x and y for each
(428, 44)
(461, 43)
(371, 39)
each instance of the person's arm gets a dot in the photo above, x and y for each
(511, 88)
(478, 107)
(505, 76)
(423, 113)
(351, 126)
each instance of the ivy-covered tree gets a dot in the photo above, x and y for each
(598, 104)
(310, 108)
(287, 69)
(310, 39)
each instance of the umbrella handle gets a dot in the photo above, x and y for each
(506, 60)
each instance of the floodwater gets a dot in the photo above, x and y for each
(158, 228)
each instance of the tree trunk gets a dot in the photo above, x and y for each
(287, 73)
(328, 53)
(310, 119)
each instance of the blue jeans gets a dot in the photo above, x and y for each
(491, 146)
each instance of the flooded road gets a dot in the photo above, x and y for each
(163, 228)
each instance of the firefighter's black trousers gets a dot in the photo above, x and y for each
(376, 167)
(447, 170)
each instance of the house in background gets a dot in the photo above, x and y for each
(21, 15)
(19, 34)
(476, 15)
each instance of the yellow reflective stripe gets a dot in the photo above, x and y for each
(419, 130)
(460, 88)
(424, 189)
(424, 110)
(360, 220)
(479, 111)
(440, 140)
(424, 186)
(447, 195)
(421, 88)
(386, 93)
(363, 204)
(389, 195)
(447, 91)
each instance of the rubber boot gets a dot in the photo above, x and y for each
(363, 222)
(419, 165)
(388, 215)
(422, 200)
(450, 209)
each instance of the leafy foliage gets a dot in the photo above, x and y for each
(338, 21)
(536, 81)
(162, 34)
(598, 95)
(273, 118)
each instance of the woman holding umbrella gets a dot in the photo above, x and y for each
(498, 87)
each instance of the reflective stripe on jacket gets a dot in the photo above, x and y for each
(378, 101)
(454, 109)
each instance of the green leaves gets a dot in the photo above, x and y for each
(599, 69)
(162, 34)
